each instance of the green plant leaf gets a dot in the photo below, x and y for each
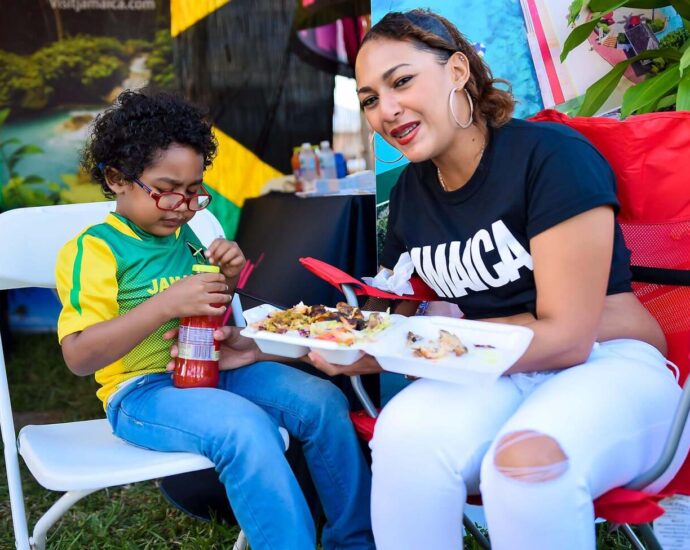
(21, 152)
(647, 4)
(578, 35)
(598, 92)
(685, 60)
(666, 102)
(682, 7)
(650, 91)
(4, 113)
(683, 99)
(605, 6)
(33, 178)
(10, 141)
(28, 149)
(649, 108)
(574, 10)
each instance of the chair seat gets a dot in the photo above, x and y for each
(86, 455)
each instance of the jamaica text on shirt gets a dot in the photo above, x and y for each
(159, 285)
(464, 269)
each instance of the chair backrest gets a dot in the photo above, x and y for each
(650, 155)
(30, 238)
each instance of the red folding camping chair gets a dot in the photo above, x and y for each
(650, 155)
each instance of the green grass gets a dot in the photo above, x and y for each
(131, 517)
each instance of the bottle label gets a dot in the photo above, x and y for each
(197, 344)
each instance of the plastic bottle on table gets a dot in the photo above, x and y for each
(327, 161)
(308, 166)
(196, 365)
(294, 162)
(340, 165)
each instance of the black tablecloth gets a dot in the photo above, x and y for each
(277, 229)
(274, 232)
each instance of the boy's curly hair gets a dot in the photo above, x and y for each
(129, 135)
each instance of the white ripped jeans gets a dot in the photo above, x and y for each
(435, 443)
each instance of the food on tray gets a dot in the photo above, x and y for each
(435, 348)
(344, 325)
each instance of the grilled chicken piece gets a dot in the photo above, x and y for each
(448, 340)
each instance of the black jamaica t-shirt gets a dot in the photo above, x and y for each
(472, 245)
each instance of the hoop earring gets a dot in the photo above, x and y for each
(373, 150)
(452, 109)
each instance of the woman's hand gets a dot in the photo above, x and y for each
(365, 365)
(226, 255)
(235, 351)
(193, 295)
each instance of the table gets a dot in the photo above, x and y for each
(277, 229)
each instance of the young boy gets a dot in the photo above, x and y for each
(125, 282)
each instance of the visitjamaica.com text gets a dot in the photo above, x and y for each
(79, 5)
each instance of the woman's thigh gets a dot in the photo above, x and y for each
(610, 415)
(433, 424)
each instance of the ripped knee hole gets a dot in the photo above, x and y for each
(530, 456)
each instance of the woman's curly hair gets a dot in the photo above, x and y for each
(129, 135)
(431, 32)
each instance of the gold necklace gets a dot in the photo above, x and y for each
(440, 176)
(440, 179)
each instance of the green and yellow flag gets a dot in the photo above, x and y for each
(238, 59)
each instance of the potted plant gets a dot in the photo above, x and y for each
(667, 87)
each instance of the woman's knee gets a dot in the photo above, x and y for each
(527, 456)
(405, 432)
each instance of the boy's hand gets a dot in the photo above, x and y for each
(226, 255)
(193, 295)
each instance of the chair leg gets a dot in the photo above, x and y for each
(241, 542)
(648, 536)
(473, 530)
(54, 513)
(631, 536)
(14, 482)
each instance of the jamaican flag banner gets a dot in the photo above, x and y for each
(238, 58)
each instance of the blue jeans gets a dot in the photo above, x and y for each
(236, 427)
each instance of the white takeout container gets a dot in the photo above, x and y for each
(477, 366)
(293, 345)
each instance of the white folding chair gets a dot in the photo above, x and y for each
(76, 458)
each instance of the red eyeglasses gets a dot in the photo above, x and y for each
(170, 200)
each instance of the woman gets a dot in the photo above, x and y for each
(513, 221)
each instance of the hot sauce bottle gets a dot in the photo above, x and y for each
(196, 365)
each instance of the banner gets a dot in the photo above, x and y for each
(621, 34)
(241, 59)
(61, 63)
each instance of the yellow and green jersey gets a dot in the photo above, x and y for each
(108, 270)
